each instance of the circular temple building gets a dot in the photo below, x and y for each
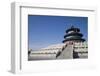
(73, 34)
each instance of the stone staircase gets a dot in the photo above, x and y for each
(66, 53)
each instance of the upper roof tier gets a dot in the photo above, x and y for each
(73, 29)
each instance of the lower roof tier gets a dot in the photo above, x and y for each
(73, 39)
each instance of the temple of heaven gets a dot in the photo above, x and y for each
(73, 34)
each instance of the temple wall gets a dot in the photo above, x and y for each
(81, 48)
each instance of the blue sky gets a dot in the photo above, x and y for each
(47, 30)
